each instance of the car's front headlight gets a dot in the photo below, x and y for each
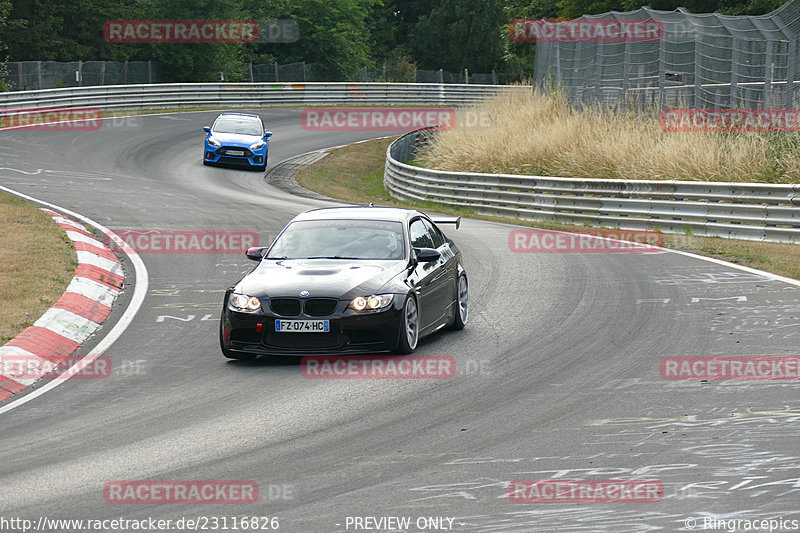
(371, 303)
(257, 145)
(213, 142)
(244, 302)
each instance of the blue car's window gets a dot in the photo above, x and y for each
(241, 126)
(340, 239)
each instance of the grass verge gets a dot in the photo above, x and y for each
(38, 262)
(334, 176)
(524, 131)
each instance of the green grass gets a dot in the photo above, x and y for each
(38, 262)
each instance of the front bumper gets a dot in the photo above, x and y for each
(223, 155)
(350, 332)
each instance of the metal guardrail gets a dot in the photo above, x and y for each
(248, 95)
(740, 210)
(750, 211)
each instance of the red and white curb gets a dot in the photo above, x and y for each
(74, 317)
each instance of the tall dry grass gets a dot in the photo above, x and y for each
(538, 134)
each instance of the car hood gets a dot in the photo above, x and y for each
(236, 139)
(332, 278)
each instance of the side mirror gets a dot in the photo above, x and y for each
(207, 129)
(427, 255)
(256, 253)
(267, 134)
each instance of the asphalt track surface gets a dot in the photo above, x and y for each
(557, 372)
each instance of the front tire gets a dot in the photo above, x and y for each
(409, 330)
(462, 303)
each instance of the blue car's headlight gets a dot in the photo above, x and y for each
(213, 142)
(257, 145)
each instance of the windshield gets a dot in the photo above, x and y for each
(340, 239)
(242, 126)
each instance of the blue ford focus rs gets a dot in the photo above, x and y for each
(237, 139)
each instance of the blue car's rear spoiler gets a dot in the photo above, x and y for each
(446, 220)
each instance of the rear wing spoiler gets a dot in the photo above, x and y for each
(446, 220)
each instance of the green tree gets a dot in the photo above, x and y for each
(63, 30)
(193, 62)
(392, 25)
(456, 35)
(334, 34)
(519, 57)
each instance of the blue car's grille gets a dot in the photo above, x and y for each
(225, 150)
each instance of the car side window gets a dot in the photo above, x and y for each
(420, 238)
(435, 234)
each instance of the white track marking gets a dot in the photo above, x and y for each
(80, 237)
(67, 324)
(68, 222)
(101, 262)
(38, 171)
(93, 290)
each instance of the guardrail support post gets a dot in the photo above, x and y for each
(38, 73)
(790, 66)
(662, 66)
(304, 71)
(441, 76)
(276, 71)
(252, 80)
(79, 73)
(769, 68)
(103, 73)
(698, 60)
(734, 72)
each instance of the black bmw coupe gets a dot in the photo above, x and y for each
(347, 280)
